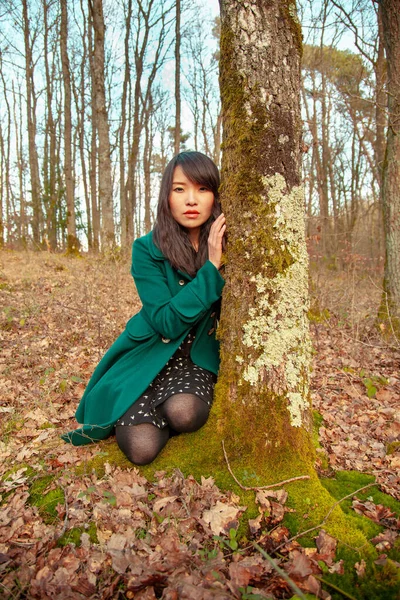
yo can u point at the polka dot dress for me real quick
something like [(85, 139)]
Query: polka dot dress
[(180, 375)]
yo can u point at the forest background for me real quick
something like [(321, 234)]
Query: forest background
[(91, 110)]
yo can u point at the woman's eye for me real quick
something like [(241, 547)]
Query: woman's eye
[(178, 189), (204, 189)]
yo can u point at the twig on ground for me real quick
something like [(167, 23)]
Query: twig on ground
[(259, 487), (302, 533), (280, 572)]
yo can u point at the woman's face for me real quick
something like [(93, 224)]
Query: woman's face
[(191, 203)]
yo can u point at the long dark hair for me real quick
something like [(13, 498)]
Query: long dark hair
[(171, 237)]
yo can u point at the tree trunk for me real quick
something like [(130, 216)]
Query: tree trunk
[(93, 146), (72, 241), (122, 188), (380, 98), (33, 155), (49, 158), (261, 410), (264, 327), (148, 142), (79, 91), (19, 157), (104, 149), (1, 188), (391, 166), (6, 192), (177, 136)]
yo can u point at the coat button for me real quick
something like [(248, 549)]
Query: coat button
[(212, 315), (211, 331), (165, 340), (181, 282)]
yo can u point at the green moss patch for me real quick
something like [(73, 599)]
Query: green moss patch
[(46, 502), (73, 536)]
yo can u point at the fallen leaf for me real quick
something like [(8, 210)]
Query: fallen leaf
[(221, 517)]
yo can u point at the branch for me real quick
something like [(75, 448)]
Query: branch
[(302, 533), (264, 487)]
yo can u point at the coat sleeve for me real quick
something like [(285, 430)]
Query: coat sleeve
[(172, 315)]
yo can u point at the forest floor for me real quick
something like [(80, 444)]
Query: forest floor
[(68, 531)]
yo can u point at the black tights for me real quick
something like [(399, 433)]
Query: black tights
[(141, 443)]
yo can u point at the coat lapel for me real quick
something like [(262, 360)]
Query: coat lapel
[(158, 255)]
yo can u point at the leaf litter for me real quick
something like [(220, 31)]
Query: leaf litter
[(121, 536)]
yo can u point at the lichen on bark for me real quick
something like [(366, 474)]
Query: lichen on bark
[(276, 332)]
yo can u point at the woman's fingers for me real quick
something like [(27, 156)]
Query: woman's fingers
[(216, 234), (218, 224)]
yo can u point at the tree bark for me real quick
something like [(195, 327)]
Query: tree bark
[(104, 149), (264, 327), (391, 165)]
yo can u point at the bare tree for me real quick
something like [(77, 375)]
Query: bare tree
[(177, 139), (72, 241), (104, 149), (149, 21), (5, 152), (127, 74), (31, 119)]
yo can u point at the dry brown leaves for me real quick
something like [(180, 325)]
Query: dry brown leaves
[(169, 539), (153, 540), (358, 430)]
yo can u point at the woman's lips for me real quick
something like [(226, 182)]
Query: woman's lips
[(191, 215)]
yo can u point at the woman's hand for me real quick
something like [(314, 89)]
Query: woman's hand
[(215, 240)]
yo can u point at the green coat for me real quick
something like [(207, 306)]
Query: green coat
[(173, 302)]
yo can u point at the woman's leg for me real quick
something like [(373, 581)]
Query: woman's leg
[(185, 412), (141, 443)]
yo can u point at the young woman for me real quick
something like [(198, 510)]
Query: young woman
[(157, 379)]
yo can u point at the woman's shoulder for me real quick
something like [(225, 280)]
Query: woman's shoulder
[(146, 244)]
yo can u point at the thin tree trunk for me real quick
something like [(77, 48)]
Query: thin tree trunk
[(391, 164), (93, 145), (80, 103), (104, 149), (30, 107), (177, 136), (5, 169), (380, 99), (146, 168), (22, 226), (72, 241), (1, 188), (49, 159), (122, 189)]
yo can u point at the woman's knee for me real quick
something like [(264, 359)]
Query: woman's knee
[(141, 443), (185, 413)]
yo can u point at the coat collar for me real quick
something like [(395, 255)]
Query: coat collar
[(156, 253)]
